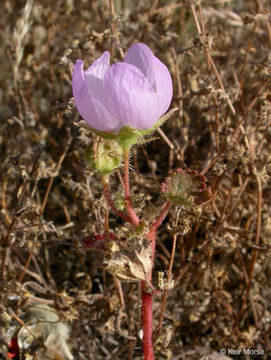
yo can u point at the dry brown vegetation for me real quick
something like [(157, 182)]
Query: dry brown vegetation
[(218, 53)]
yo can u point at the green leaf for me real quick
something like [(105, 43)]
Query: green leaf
[(186, 188)]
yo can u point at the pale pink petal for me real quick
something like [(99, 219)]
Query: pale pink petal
[(154, 70), (141, 56), (90, 108), (94, 75), (164, 87), (130, 96)]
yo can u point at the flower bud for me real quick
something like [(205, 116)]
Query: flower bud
[(104, 156), (134, 93)]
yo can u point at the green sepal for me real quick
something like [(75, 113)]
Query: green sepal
[(105, 135), (128, 136), (89, 157)]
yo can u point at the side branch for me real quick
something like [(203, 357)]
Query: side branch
[(110, 202), (161, 217)]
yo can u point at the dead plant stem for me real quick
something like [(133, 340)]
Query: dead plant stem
[(254, 257), (56, 170), (209, 58), (169, 276), (114, 30), (5, 241)]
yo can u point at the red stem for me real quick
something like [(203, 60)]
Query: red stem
[(129, 207), (161, 217), (147, 323), (147, 294), (147, 297), (111, 203)]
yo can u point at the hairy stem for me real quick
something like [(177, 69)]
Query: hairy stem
[(128, 202), (110, 202)]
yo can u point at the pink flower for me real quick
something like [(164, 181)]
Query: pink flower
[(135, 92)]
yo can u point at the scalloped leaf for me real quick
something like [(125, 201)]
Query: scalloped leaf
[(186, 188)]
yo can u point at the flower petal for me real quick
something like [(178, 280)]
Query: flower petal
[(141, 56), (95, 73), (164, 87), (154, 70), (130, 96), (90, 108)]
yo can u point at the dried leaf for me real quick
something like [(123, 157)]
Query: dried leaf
[(132, 265)]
